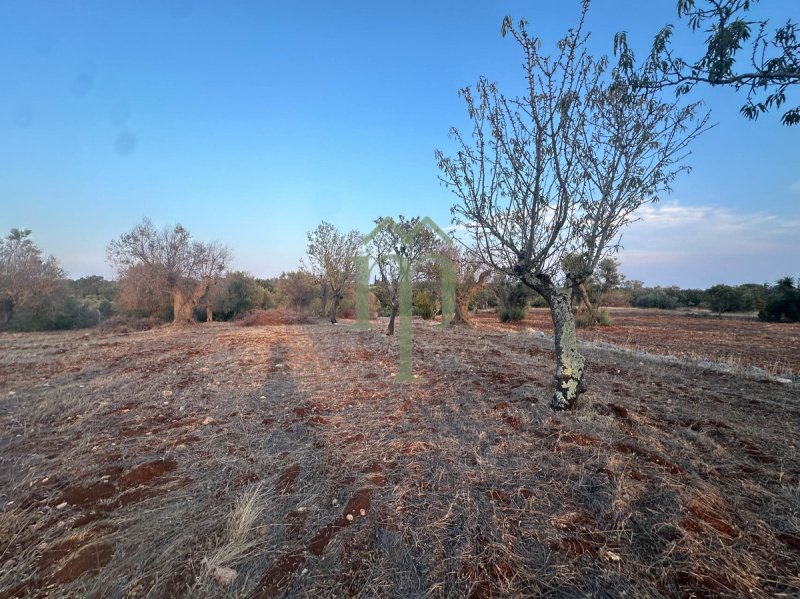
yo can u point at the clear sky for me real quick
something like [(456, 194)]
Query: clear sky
[(249, 122)]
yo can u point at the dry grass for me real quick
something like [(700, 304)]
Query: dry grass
[(271, 317), (289, 456)]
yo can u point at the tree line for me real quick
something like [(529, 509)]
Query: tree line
[(36, 295)]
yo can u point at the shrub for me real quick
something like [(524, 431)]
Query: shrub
[(655, 299), (591, 318), (512, 313), (425, 304)]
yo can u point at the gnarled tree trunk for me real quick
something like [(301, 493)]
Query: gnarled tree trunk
[(570, 364), (183, 304), (464, 294)]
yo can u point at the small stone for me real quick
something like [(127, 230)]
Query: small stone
[(62, 505), (12, 392), (208, 420), (304, 572), (335, 502), (166, 393), (611, 556), (350, 517), (45, 479), (362, 511), (9, 563), (263, 397)]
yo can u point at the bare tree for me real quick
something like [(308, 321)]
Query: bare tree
[(561, 170), (171, 261), (334, 253), (398, 247), (26, 274)]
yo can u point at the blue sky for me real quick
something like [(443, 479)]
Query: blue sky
[(249, 122)]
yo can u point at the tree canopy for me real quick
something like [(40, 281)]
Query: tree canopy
[(169, 261), (740, 52)]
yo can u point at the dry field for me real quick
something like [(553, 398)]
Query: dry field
[(162, 463), (691, 336)]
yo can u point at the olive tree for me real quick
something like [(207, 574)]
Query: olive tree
[(560, 170), (27, 276), (398, 248), (333, 254), (169, 261)]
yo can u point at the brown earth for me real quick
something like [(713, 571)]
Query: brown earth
[(738, 342), (156, 463)]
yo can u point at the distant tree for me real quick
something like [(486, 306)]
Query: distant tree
[(400, 240), (739, 52), (783, 302), (28, 278), (298, 289), (94, 286), (235, 293), (333, 253), (561, 170), (169, 261), (655, 298), (724, 298), (471, 276)]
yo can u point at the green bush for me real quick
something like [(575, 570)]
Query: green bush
[(655, 299), (512, 313), (426, 304), (592, 318)]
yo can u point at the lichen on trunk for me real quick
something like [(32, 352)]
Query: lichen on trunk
[(570, 363)]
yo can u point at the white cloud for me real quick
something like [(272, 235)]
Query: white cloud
[(687, 245)]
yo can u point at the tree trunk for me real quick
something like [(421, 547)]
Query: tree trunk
[(324, 298), (335, 307), (209, 314), (392, 315), (464, 295), (569, 362), (183, 304), (462, 312), (182, 308)]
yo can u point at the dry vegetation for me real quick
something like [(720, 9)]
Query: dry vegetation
[(266, 461), (691, 336)]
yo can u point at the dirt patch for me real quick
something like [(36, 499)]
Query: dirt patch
[(287, 479), (278, 576), (88, 560), (144, 473)]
